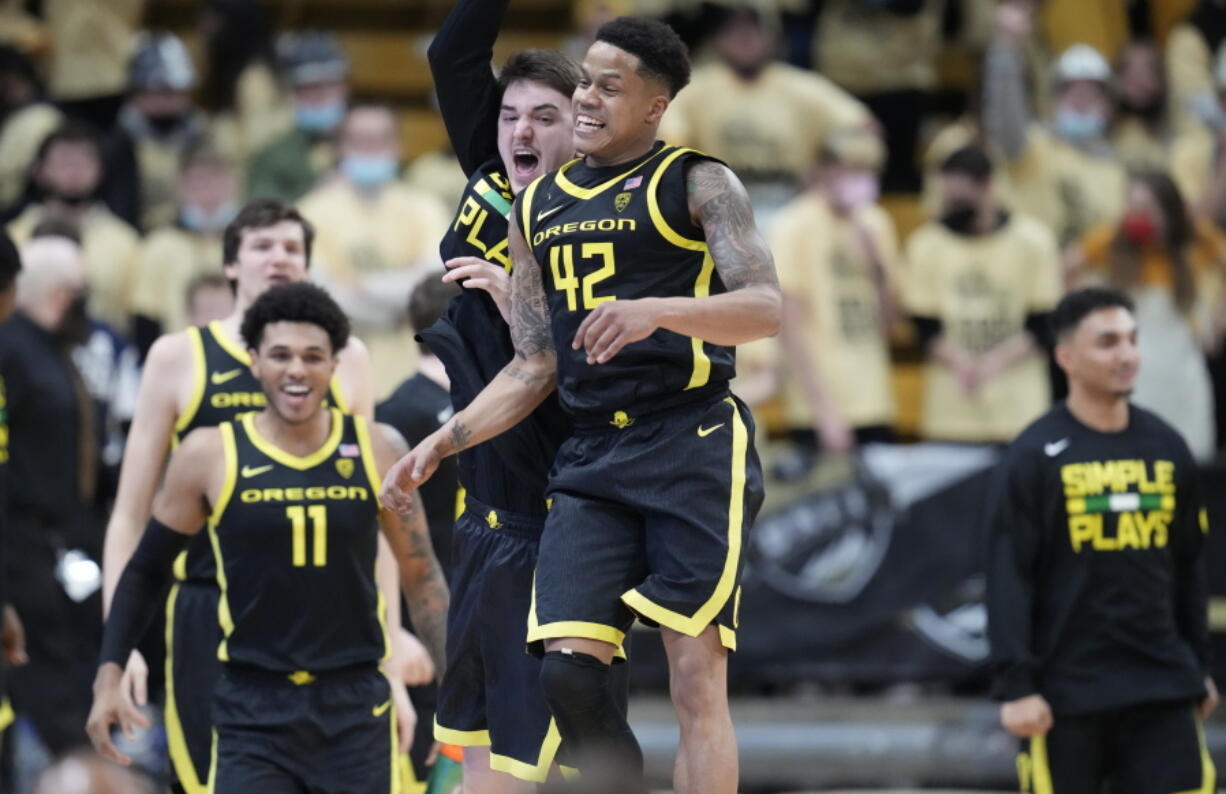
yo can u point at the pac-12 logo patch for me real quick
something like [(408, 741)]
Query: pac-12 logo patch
[(344, 467)]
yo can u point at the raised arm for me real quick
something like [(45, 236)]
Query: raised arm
[(1006, 108), (508, 399), (408, 534), (460, 61), (179, 511)]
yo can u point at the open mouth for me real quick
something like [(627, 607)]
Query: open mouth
[(525, 162), (297, 393), (586, 123)]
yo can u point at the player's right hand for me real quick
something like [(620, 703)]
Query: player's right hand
[(1026, 717), (407, 475), (135, 683), (13, 638), (111, 707), (474, 273)]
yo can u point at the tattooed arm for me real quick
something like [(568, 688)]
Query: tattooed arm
[(751, 308), (421, 578), (510, 397)]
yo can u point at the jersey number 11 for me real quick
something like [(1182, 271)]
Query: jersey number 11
[(298, 516)]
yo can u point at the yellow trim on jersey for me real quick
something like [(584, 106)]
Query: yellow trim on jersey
[(197, 397), (1208, 773), (238, 353), (727, 637), (372, 473), (230, 450), (693, 625), (533, 773), (1040, 770), (588, 192), (301, 463), (338, 395), (6, 714), (176, 741), (702, 285), (180, 566), (460, 738), (460, 505), (525, 207)]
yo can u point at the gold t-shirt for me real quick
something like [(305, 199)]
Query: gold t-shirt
[(93, 44), (1068, 189), (169, 260), (824, 266), (111, 248), (23, 133), (869, 50), (771, 128), (981, 289)]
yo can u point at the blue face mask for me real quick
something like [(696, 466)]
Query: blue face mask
[(319, 118), (369, 171), (1074, 125), (197, 219)]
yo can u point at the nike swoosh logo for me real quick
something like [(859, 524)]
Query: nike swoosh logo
[(1054, 448), (703, 432), (253, 471), (219, 378), (379, 711), (546, 213)]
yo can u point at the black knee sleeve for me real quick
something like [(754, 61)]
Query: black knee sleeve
[(597, 740)]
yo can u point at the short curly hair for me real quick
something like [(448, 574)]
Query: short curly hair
[(300, 302), (661, 52)]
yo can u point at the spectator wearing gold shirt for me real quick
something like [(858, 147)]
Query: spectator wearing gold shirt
[(26, 117), (375, 236), (979, 283), (1172, 266), (764, 118), (317, 72), (160, 121), (836, 255), (175, 255), (67, 174), (1064, 172)]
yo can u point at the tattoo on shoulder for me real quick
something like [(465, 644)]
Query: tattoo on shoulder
[(722, 206)]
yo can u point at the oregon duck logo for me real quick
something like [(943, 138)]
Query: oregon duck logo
[(491, 518), (621, 420)]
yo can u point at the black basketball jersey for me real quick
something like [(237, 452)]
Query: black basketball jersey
[(480, 225), (621, 233), (295, 541), (473, 342), (224, 389)]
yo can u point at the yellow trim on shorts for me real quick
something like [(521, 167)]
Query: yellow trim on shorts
[(180, 566), (393, 772), (577, 628), (7, 716), (176, 740), (197, 395), (1040, 769), (299, 462), (230, 452), (460, 738), (725, 588), (212, 784), (1208, 772), (539, 772)]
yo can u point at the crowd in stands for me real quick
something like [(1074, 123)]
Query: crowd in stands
[(933, 175)]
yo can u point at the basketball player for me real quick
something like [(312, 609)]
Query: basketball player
[(507, 131), (636, 269), (1097, 606), (199, 378), (290, 498)]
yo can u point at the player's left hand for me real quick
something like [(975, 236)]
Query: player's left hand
[(1211, 699), (474, 273), (406, 476), (613, 325), (112, 708), (13, 638)]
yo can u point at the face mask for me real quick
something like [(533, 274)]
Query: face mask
[(1138, 228), (855, 190), (165, 124), (200, 220), (1073, 125), (74, 327), (74, 200), (369, 171), (960, 217), (319, 118)]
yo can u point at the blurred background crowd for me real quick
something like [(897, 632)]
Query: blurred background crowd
[(932, 176)]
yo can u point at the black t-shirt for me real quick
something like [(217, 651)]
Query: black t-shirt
[(417, 408), (1096, 587)]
